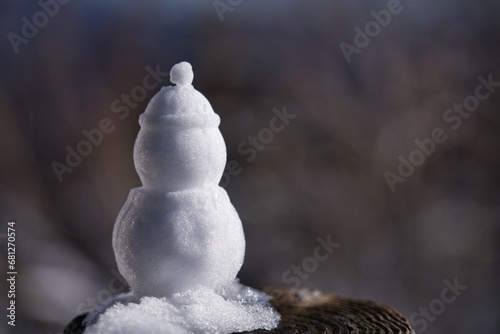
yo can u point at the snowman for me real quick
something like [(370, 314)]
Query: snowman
[(179, 230)]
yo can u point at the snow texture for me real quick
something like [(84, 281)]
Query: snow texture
[(197, 311), (180, 229), (178, 240)]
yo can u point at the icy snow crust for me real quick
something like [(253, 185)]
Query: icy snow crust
[(178, 240)]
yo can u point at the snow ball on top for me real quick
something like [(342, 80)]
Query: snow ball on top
[(182, 74)]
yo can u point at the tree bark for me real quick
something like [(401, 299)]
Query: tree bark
[(311, 312)]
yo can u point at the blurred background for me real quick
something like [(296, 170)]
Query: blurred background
[(323, 175)]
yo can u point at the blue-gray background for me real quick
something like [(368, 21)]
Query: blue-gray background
[(322, 175)]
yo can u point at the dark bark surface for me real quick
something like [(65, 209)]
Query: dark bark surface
[(311, 312), (308, 311)]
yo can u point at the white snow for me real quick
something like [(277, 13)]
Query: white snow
[(178, 240), (197, 311), (182, 74)]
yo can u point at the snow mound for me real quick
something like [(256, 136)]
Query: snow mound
[(197, 311)]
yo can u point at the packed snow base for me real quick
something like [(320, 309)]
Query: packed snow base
[(197, 311), (178, 240)]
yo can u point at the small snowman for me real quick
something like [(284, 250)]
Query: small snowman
[(179, 230)]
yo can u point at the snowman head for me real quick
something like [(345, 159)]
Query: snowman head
[(179, 145)]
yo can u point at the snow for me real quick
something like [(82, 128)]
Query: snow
[(199, 310), (182, 74), (179, 229), (178, 240)]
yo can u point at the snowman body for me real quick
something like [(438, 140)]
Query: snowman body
[(179, 230)]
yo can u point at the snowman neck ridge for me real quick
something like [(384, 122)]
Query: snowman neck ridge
[(179, 121)]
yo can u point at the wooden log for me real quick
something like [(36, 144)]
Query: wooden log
[(311, 312), (308, 311)]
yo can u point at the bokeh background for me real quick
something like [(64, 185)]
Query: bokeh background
[(321, 176)]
